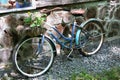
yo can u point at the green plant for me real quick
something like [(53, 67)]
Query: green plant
[(82, 76), (112, 74), (28, 20), (34, 21)]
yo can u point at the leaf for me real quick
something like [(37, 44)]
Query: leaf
[(33, 25)]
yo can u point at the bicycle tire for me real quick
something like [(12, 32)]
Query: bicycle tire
[(91, 43), (32, 64)]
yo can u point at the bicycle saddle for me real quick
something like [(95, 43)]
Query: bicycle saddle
[(77, 12)]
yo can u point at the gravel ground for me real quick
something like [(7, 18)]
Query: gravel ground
[(107, 58)]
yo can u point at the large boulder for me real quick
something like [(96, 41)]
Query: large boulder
[(57, 18)]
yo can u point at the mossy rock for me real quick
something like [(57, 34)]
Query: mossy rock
[(34, 31)]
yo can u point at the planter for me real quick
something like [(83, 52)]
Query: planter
[(34, 31)]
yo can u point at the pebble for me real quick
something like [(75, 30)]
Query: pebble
[(106, 58)]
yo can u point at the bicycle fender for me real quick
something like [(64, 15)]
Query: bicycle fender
[(91, 20), (82, 25)]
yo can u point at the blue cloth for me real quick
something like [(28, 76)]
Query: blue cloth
[(25, 4)]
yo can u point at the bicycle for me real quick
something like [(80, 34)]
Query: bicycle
[(35, 55)]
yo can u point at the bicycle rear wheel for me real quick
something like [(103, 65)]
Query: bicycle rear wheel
[(33, 59), (91, 37)]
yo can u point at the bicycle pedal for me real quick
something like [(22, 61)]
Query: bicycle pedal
[(69, 58), (70, 55)]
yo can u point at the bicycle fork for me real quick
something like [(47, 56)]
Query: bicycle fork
[(40, 45)]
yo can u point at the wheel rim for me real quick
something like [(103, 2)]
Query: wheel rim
[(94, 41), (29, 61)]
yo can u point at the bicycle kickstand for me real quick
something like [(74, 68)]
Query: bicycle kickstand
[(68, 56)]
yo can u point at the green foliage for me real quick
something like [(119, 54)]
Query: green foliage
[(113, 74), (28, 20), (34, 21), (38, 21), (82, 76)]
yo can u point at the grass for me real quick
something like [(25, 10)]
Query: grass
[(113, 74)]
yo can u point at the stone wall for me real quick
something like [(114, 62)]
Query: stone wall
[(110, 13)]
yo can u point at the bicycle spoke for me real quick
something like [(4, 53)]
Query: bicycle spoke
[(94, 38), (33, 59), (35, 67)]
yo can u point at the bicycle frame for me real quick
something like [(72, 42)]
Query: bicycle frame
[(68, 39), (40, 44)]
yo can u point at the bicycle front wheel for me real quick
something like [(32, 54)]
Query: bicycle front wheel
[(32, 58), (91, 37)]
